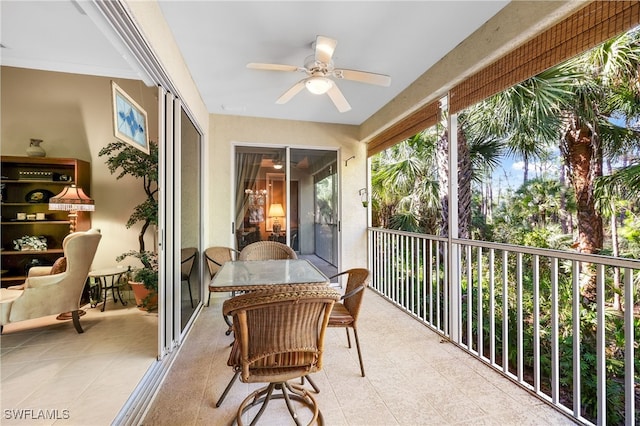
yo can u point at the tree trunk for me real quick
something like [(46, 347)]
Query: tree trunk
[(616, 253), (584, 161), (464, 186), (442, 158), (565, 217), (615, 248)]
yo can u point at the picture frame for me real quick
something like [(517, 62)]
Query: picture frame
[(129, 120)]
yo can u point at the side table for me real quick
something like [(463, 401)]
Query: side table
[(99, 278)]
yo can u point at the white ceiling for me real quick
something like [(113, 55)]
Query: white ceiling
[(218, 39)]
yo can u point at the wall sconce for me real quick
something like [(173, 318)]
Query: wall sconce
[(364, 197), (346, 162)]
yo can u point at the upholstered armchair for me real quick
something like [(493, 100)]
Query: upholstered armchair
[(53, 293)]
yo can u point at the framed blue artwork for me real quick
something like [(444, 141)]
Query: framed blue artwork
[(129, 120)]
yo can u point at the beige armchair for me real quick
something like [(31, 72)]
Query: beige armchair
[(44, 295)]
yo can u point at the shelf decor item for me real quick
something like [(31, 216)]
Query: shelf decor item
[(38, 196), (129, 120), (35, 150), (72, 199), (35, 175), (30, 243), (26, 213)]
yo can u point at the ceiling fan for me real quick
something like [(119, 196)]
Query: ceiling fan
[(319, 70)]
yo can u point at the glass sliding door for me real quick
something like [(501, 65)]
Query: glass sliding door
[(261, 195), (314, 193), (325, 217), (289, 195), (190, 221)]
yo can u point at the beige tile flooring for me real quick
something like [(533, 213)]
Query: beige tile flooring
[(411, 379), (82, 379)]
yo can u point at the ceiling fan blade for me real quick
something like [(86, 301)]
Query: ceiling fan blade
[(363, 77), (272, 67), (338, 99), (325, 47), (286, 96)]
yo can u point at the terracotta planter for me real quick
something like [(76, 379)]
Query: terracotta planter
[(141, 294)]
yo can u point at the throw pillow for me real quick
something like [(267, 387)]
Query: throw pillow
[(59, 266)]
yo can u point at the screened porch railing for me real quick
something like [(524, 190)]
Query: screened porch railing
[(514, 308)]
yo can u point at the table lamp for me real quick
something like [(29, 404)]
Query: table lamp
[(276, 211), (72, 199)]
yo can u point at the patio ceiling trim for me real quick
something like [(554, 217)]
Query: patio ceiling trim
[(595, 23), (416, 122)]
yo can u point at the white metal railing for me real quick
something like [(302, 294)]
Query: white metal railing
[(514, 308)]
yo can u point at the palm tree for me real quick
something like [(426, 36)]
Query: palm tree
[(403, 185), (526, 117), (609, 85), (623, 184), (572, 102)]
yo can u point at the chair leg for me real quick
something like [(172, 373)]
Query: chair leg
[(209, 298), (227, 389), (287, 400), (75, 315), (261, 396), (348, 338), (311, 382), (190, 296), (355, 333), (287, 392)]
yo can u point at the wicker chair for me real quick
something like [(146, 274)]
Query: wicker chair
[(345, 313), (290, 347), (187, 262), (267, 250), (214, 258)]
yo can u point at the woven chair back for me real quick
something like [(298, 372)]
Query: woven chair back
[(187, 261), (357, 277), (216, 257), (279, 333), (267, 250)]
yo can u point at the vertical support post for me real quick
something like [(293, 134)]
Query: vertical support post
[(452, 259), (629, 339)]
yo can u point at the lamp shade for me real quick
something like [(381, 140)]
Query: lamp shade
[(276, 210), (71, 198)]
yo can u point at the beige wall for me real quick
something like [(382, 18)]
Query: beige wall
[(73, 115), (225, 131)]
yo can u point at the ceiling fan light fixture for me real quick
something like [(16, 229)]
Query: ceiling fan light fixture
[(318, 85)]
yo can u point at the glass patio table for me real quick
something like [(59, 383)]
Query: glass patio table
[(251, 275)]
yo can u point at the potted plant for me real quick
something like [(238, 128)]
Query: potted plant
[(127, 160)]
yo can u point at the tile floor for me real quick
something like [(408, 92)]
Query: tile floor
[(81, 379), (411, 379)]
